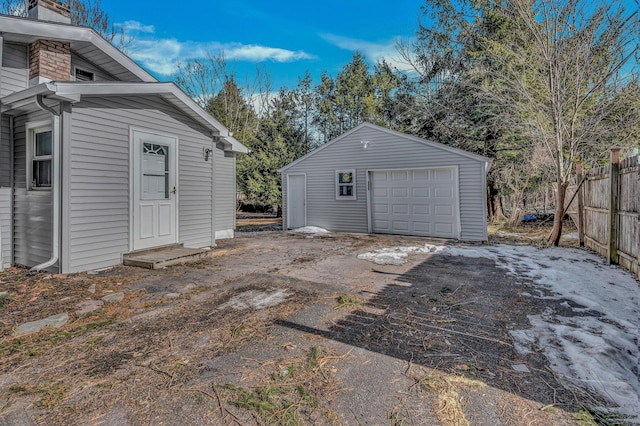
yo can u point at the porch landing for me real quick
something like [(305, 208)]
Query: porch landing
[(161, 257)]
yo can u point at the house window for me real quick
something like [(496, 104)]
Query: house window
[(41, 166), (345, 184), (82, 75)]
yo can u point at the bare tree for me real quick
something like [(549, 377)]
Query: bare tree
[(215, 85), (14, 7), (88, 13), (519, 176), (202, 79), (565, 90)]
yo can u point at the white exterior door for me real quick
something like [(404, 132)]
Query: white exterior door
[(415, 202), (297, 201), (155, 214)]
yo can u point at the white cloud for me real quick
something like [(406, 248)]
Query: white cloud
[(136, 27), (374, 51), (161, 55), (257, 53)]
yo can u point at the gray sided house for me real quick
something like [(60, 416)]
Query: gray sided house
[(375, 180), (98, 158)]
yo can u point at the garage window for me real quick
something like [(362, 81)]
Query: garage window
[(346, 184)]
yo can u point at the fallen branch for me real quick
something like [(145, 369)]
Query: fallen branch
[(409, 365), (157, 370), (468, 335)]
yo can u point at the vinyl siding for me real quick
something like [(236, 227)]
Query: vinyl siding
[(5, 227), (385, 151), (32, 210), (5, 152), (225, 191), (82, 63), (88, 52), (15, 68), (99, 213), (5, 193)]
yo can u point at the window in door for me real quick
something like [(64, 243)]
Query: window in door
[(155, 171)]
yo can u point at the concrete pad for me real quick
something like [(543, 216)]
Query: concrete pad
[(113, 298), (87, 306), (55, 321)]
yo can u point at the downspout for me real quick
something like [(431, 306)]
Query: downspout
[(55, 185), (11, 158), (213, 189), (12, 185), (11, 192)]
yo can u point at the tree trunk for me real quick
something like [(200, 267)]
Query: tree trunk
[(556, 233), (494, 204)]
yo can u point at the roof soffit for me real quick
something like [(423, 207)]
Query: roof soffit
[(84, 40)]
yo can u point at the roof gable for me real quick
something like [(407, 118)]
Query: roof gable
[(74, 91), (366, 125), (85, 41)]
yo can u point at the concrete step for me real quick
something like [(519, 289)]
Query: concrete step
[(160, 257)]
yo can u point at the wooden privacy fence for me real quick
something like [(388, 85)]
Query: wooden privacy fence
[(607, 209)]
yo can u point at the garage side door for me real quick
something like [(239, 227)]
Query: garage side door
[(415, 202)]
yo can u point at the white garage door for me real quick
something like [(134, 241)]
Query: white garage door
[(415, 202)]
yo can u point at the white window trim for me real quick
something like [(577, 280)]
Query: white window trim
[(31, 129), (337, 184)]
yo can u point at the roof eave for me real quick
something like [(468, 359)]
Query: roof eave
[(59, 31), (236, 145), (436, 145), (169, 91)]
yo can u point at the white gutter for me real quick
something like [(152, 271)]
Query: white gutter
[(169, 91), (55, 185)]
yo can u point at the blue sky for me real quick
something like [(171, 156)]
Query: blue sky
[(286, 37)]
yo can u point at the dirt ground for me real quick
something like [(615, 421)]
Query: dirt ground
[(280, 328)]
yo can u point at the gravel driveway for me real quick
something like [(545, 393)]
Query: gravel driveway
[(284, 328)]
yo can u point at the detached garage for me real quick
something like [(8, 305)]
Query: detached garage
[(375, 180)]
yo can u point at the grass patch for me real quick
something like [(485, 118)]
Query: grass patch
[(314, 356), (35, 344), (269, 402), (347, 301), (49, 395), (91, 343), (587, 416), (291, 395), (4, 298), (425, 383), (237, 331)]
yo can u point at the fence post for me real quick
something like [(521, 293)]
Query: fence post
[(637, 161), (579, 178), (614, 172)]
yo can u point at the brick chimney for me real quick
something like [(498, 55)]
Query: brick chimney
[(49, 59), (50, 10)]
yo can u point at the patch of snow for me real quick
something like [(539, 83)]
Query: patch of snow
[(521, 368), (311, 230), (397, 255), (597, 351), (256, 299), (572, 236)]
